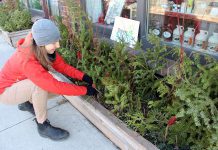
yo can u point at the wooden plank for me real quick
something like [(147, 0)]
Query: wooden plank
[(13, 37), (105, 121)]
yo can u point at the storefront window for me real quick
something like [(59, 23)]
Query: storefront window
[(53, 7), (22, 4), (190, 23), (35, 4), (105, 11)]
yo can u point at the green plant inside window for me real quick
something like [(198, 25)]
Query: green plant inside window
[(35, 4)]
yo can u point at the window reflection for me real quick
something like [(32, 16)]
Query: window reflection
[(35, 4), (104, 11)]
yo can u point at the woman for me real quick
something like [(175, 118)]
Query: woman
[(25, 78)]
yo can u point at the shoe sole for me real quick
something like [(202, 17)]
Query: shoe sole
[(23, 109), (61, 139)]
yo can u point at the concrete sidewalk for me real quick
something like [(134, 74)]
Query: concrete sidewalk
[(18, 130)]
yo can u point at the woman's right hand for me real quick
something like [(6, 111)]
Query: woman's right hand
[(91, 91)]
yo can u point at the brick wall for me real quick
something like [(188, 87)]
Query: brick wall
[(12, 3), (64, 12)]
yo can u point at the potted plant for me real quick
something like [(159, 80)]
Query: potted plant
[(15, 22)]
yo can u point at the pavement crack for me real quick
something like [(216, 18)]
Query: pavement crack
[(15, 124), (25, 120)]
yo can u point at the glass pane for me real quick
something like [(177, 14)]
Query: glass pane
[(22, 4), (94, 10), (105, 11), (53, 6), (190, 23), (35, 4)]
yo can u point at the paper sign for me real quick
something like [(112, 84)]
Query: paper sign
[(115, 8), (125, 30)]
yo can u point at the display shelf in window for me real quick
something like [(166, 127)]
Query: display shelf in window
[(210, 52), (186, 23), (159, 11)]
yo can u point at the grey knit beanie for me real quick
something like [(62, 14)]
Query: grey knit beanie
[(45, 32)]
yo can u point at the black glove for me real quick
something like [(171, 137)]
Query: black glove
[(91, 91), (87, 79)]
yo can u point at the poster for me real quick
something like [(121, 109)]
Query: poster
[(125, 30), (114, 9)]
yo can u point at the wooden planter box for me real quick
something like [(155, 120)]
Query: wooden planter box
[(107, 123), (110, 125), (13, 37)]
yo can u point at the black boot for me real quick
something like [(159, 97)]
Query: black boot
[(27, 106), (49, 131)]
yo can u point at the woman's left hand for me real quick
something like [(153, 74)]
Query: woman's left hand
[(88, 79)]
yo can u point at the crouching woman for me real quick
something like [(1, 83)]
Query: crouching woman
[(25, 78)]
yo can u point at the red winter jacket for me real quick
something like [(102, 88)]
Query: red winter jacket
[(24, 65)]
